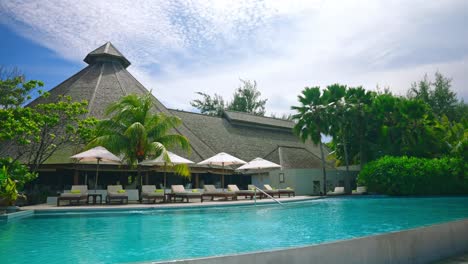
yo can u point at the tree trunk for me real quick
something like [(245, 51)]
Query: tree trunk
[(324, 171), (139, 179), (345, 149)]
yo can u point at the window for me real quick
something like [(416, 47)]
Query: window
[(281, 177)]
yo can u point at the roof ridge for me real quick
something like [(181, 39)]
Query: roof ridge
[(124, 90), (91, 101), (270, 117), (195, 113), (85, 70)]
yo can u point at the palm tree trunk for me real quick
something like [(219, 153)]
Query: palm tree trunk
[(324, 171), (139, 179), (345, 149)]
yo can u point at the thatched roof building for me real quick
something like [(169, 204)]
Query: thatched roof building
[(246, 136)]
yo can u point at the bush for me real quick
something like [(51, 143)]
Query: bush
[(415, 176), (17, 172)]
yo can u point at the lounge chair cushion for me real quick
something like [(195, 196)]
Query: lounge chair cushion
[(233, 188), (77, 191), (177, 188), (113, 191), (210, 188)]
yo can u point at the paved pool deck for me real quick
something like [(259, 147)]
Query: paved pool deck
[(194, 203), (462, 259)]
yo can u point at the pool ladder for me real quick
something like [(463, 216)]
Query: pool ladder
[(255, 196)]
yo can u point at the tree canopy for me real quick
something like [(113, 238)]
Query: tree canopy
[(136, 133), (33, 134), (366, 125), (246, 98)]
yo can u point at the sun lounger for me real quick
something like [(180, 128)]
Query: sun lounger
[(261, 194), (360, 190), (78, 193), (178, 191), (287, 191), (211, 192), (337, 191), (245, 193), (116, 192), (150, 193)]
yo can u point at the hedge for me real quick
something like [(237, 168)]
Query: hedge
[(415, 176)]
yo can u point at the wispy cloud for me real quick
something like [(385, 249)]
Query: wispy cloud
[(180, 47)]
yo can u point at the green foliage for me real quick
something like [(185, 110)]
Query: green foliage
[(8, 191), (415, 176), (213, 106), (18, 172), (365, 125), (135, 133), (33, 134), (312, 120), (246, 99), (438, 95), (14, 89)]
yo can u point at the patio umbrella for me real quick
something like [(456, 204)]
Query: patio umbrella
[(173, 160), (259, 164), (97, 155), (222, 159)]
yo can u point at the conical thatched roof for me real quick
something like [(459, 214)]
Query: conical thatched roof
[(106, 80), (107, 52)]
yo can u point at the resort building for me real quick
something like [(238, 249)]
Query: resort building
[(245, 136)]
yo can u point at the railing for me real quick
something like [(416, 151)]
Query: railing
[(255, 196)]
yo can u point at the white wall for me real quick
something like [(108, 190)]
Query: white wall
[(302, 180)]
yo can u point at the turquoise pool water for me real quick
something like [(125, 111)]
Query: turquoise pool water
[(175, 234)]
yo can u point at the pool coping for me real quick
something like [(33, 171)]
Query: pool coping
[(30, 211)]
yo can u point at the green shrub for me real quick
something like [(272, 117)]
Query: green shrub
[(415, 176), (17, 172)]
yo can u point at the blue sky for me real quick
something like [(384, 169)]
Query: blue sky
[(180, 47)]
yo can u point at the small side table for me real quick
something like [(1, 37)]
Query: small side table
[(95, 195)]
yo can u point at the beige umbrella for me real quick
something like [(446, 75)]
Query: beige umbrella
[(173, 160), (97, 154), (259, 165), (222, 159)]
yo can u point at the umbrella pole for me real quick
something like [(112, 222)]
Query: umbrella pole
[(164, 181), (222, 177), (97, 175)]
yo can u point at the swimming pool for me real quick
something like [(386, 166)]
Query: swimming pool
[(152, 235)]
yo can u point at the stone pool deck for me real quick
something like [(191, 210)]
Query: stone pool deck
[(462, 259), (194, 203)]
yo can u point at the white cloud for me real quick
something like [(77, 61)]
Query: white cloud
[(178, 48)]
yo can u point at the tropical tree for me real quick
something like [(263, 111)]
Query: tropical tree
[(213, 106), (312, 121), (361, 101), (438, 95), (134, 132), (338, 111), (33, 134), (246, 98)]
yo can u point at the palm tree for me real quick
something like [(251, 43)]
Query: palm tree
[(360, 100), (135, 133), (311, 121), (339, 120)]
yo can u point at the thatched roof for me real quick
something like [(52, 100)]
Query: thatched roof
[(246, 136)]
